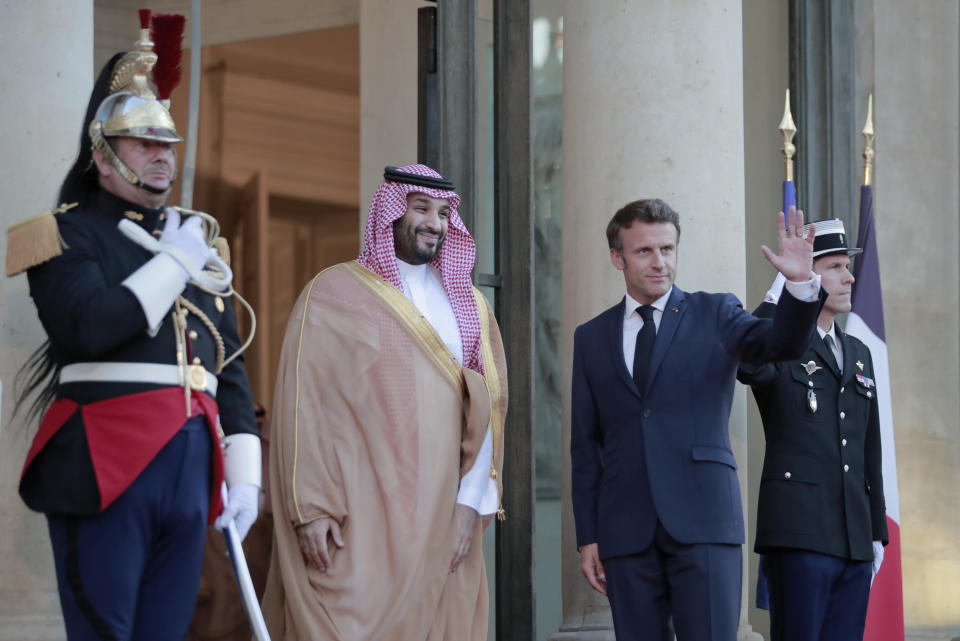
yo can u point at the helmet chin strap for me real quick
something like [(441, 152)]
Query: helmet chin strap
[(100, 143)]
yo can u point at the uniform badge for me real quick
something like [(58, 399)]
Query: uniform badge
[(811, 367), (860, 365), (811, 401), (866, 381)]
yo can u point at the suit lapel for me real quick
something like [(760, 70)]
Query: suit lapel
[(615, 338), (825, 354), (849, 364), (672, 314)]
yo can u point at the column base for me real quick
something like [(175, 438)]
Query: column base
[(746, 633), (32, 628), (583, 633)]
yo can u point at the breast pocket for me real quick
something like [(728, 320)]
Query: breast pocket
[(805, 397)]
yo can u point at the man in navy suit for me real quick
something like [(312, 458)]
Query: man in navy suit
[(655, 493)]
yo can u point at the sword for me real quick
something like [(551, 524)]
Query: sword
[(240, 570)]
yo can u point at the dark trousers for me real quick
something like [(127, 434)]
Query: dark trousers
[(699, 585), (817, 597), (132, 571)]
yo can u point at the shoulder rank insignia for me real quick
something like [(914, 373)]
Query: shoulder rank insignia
[(810, 367), (35, 241), (865, 381)]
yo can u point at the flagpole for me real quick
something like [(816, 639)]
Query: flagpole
[(868, 145)]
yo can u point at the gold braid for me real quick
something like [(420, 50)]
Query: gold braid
[(217, 338)]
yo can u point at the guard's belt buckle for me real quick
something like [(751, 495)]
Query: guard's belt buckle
[(197, 378)]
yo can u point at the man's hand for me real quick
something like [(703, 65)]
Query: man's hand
[(464, 520), (795, 259), (313, 537), (592, 568)]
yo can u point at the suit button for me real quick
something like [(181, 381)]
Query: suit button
[(843, 415), (841, 390), (786, 475), (869, 394), (846, 468), (193, 335), (810, 383), (647, 413), (843, 442)]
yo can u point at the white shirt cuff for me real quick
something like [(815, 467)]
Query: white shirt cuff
[(156, 285), (807, 291), (478, 490)]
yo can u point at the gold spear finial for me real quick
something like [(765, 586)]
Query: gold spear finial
[(787, 130), (868, 144)]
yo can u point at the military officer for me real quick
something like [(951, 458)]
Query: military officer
[(140, 364), (821, 518)]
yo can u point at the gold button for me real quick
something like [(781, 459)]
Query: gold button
[(843, 442), (193, 335), (841, 390), (869, 394), (843, 415), (786, 475), (196, 360), (218, 303), (846, 468), (810, 383)]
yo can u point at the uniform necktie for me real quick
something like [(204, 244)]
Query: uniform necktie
[(644, 349), (828, 339)]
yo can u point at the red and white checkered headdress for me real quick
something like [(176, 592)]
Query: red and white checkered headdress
[(454, 260)]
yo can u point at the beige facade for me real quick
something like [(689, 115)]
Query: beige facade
[(677, 100)]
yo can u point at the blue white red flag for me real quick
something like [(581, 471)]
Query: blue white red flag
[(885, 612)]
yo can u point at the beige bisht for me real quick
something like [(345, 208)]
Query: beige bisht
[(374, 424)]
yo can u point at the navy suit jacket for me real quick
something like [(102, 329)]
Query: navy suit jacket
[(664, 452)]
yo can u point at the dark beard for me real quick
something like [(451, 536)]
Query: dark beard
[(408, 249)]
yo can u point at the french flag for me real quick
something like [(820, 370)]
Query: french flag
[(865, 321)]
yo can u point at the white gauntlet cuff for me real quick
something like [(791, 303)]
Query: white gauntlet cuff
[(156, 285), (241, 459)]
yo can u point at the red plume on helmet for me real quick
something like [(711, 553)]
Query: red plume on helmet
[(167, 35)]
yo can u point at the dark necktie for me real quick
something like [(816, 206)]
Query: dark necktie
[(644, 349), (828, 339)]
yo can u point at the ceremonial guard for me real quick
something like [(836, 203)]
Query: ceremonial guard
[(821, 517), (141, 367)]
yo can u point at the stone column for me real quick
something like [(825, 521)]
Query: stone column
[(47, 49), (916, 193), (652, 107), (388, 91)]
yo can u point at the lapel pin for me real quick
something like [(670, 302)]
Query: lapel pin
[(860, 365), (676, 309), (811, 367)]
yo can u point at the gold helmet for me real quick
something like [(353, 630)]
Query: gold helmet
[(140, 85)]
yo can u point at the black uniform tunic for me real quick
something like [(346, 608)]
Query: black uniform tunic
[(90, 316)]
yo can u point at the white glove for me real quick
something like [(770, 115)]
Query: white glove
[(877, 559), (188, 238), (241, 507)]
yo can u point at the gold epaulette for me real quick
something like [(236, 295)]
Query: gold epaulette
[(220, 244), (35, 241)]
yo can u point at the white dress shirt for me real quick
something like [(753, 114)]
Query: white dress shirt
[(423, 285), (806, 291)]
